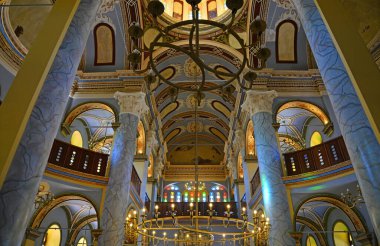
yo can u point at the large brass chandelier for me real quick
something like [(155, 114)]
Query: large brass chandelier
[(183, 231), (245, 74)]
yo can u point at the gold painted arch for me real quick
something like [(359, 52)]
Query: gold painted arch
[(40, 214), (309, 107), (74, 113), (333, 201)]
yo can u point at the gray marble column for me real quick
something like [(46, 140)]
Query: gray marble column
[(28, 165), (362, 145), (151, 142), (132, 106), (259, 106)]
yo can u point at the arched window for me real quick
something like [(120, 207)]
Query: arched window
[(212, 10), (250, 140), (286, 42), (76, 139), (315, 139), (178, 10), (342, 236), (82, 242), (310, 241), (52, 236), (104, 45), (140, 142)]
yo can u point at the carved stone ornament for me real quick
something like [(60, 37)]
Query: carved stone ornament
[(132, 103), (151, 141), (259, 101), (239, 140)]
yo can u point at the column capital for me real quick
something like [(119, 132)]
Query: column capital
[(259, 101), (132, 103)]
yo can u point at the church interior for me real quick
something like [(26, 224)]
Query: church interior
[(189, 122)]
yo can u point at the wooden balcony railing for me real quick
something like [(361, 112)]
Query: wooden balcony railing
[(135, 181), (78, 159), (316, 158), (183, 208), (255, 182)]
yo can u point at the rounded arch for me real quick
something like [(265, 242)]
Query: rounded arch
[(140, 141), (333, 201), (104, 38), (286, 41), (316, 110), (315, 228), (81, 108), (59, 201), (250, 148)]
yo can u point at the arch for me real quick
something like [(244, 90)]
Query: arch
[(41, 213), (53, 235), (315, 139), (82, 241), (212, 9), (178, 9), (339, 237), (76, 139), (335, 202), (75, 112), (286, 42), (315, 228), (250, 140), (316, 110), (310, 241), (104, 37), (78, 227), (140, 141)]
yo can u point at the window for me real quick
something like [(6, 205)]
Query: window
[(212, 10), (52, 236), (286, 42), (342, 236), (76, 139), (315, 139), (310, 241), (104, 45), (82, 242), (178, 10)]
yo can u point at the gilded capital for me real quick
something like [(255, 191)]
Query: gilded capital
[(132, 103), (259, 101)]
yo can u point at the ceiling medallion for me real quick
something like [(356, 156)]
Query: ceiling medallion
[(245, 74)]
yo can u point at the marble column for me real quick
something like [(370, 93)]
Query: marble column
[(28, 165), (151, 142), (132, 106), (362, 144), (259, 105)]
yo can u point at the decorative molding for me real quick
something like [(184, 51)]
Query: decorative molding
[(132, 103), (259, 101)]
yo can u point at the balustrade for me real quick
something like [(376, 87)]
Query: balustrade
[(183, 208), (255, 182), (316, 158), (78, 159), (135, 180)]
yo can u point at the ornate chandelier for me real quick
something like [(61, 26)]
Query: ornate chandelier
[(245, 74), (155, 231)]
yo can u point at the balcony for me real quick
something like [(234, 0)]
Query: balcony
[(255, 182), (316, 158), (135, 181), (78, 159), (84, 161), (183, 208)]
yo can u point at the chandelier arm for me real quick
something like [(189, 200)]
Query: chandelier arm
[(199, 63), (168, 45)]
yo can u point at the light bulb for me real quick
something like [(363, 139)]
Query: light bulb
[(210, 205), (164, 234), (224, 235), (143, 210), (244, 209), (156, 207), (191, 204), (153, 232), (255, 212), (176, 235)]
